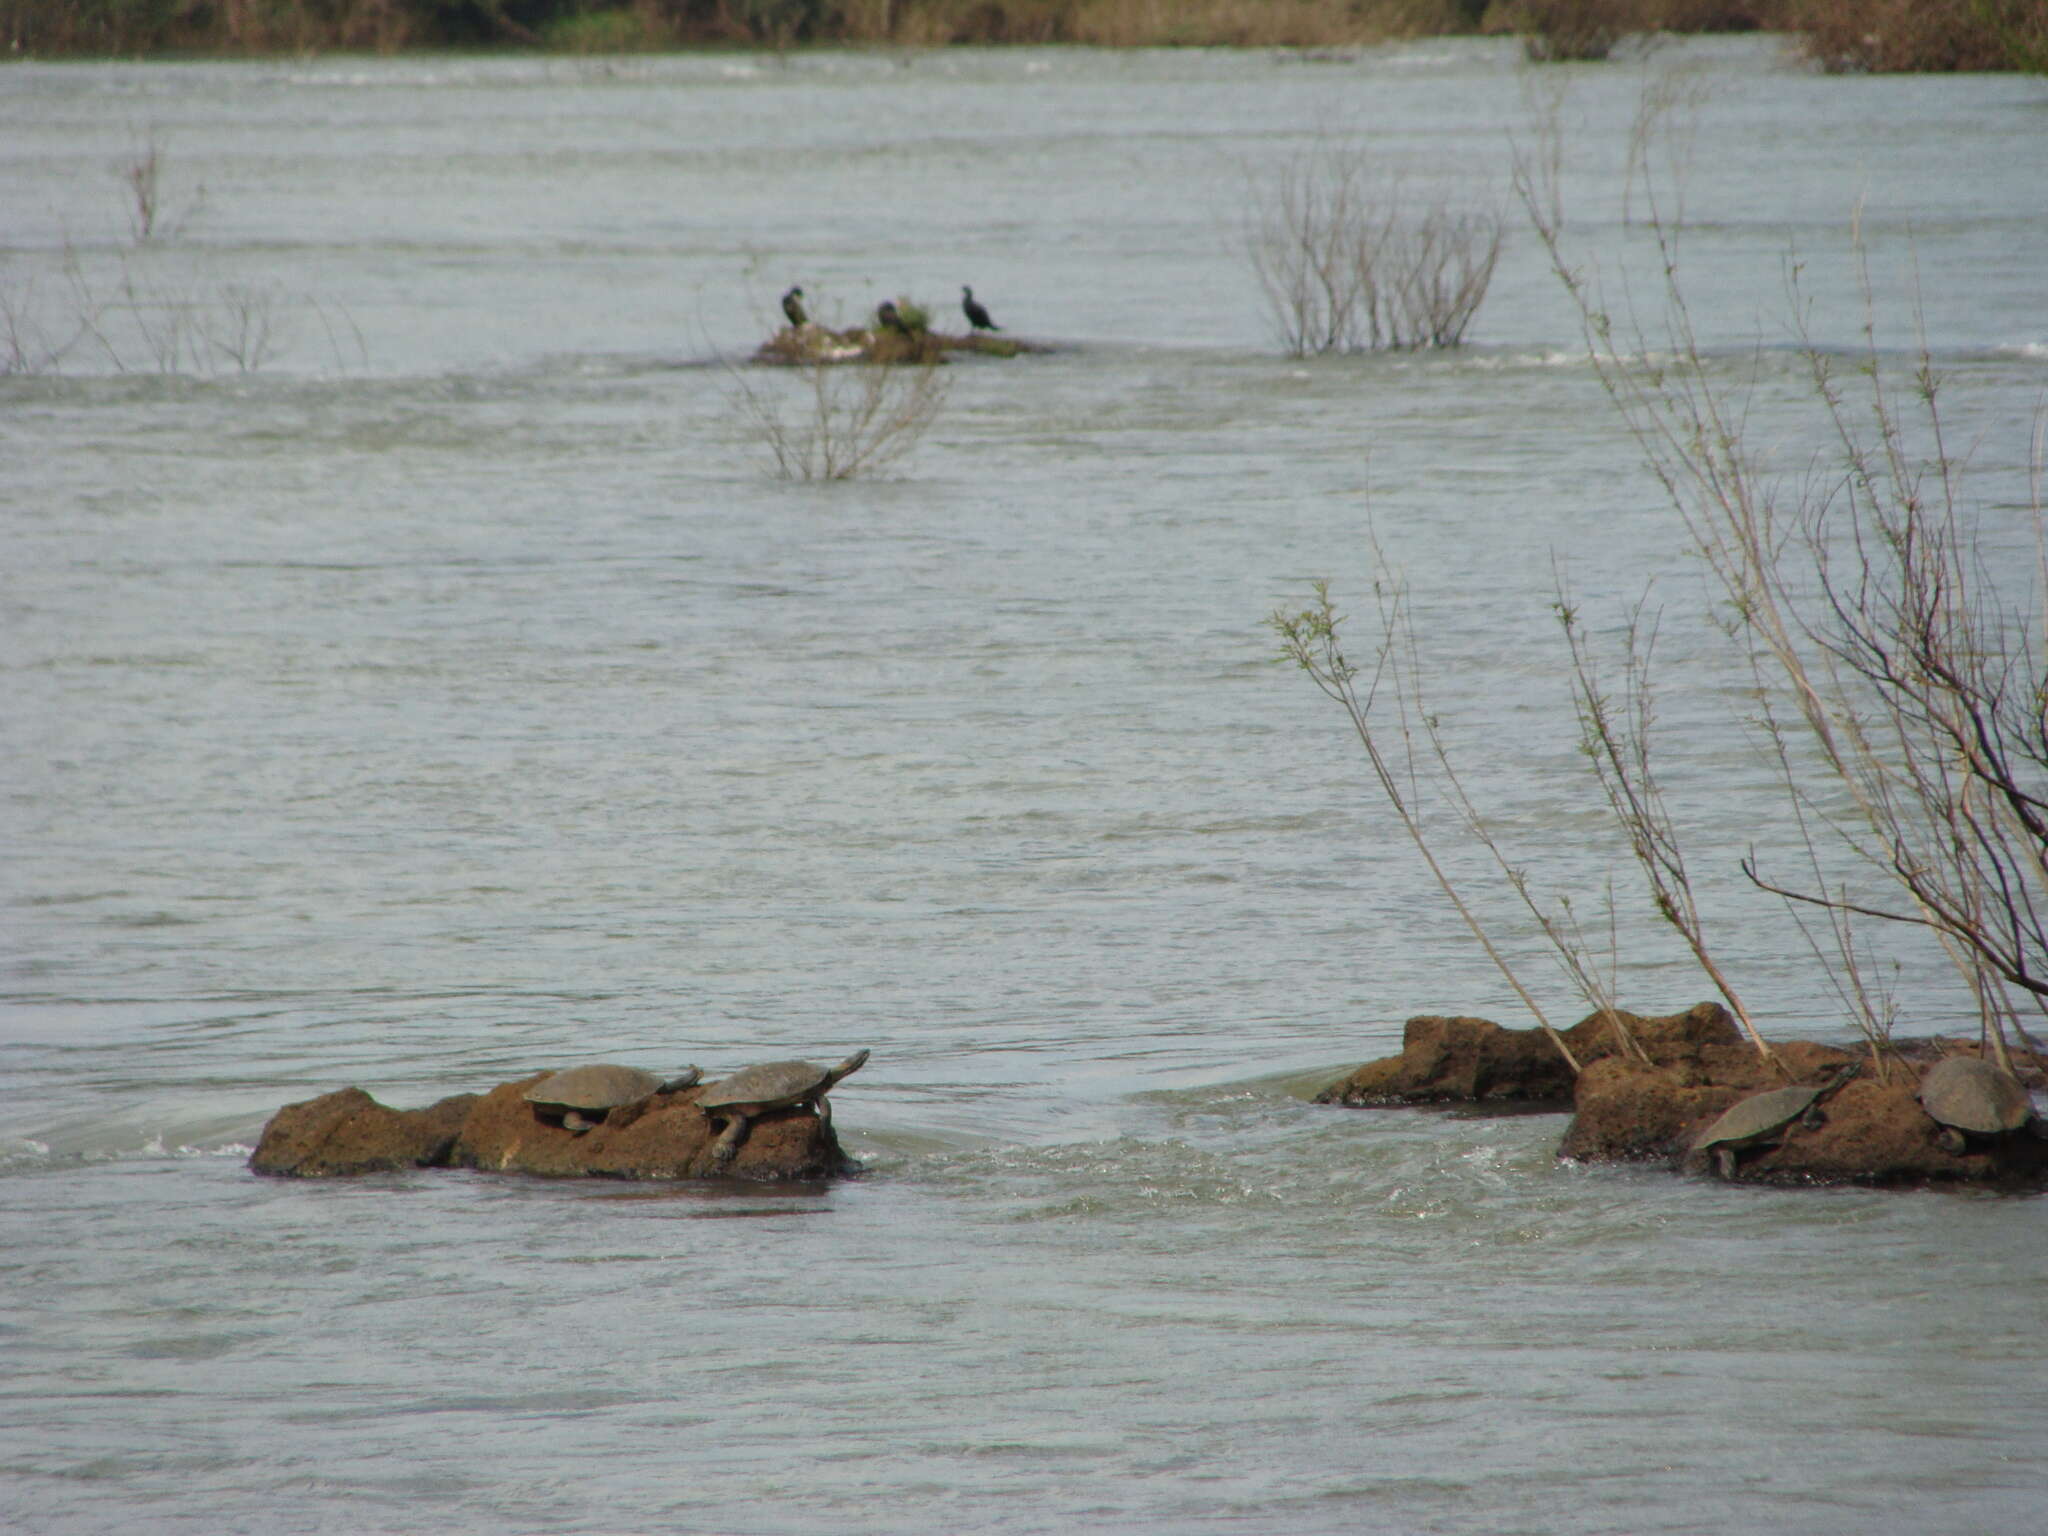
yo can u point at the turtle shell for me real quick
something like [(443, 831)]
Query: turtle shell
[(600, 1087), (775, 1085), (771, 1085), (1973, 1095), (1757, 1117)]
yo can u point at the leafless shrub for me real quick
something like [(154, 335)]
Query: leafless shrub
[(241, 328), (1349, 263), (1311, 639), (839, 421), (1614, 735), (1902, 688), (133, 321), (144, 175), (36, 335), (150, 214)]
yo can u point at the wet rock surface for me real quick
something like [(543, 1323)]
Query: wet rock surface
[(1463, 1060), (665, 1136), (348, 1132), (1871, 1129)]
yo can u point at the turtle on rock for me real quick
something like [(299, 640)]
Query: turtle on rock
[(580, 1098), (1969, 1097), (760, 1090), (1764, 1118)]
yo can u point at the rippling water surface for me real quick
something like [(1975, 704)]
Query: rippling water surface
[(454, 694)]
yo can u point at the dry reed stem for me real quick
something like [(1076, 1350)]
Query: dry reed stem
[(1918, 689), (1311, 639)]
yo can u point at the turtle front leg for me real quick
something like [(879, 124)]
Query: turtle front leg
[(729, 1141)]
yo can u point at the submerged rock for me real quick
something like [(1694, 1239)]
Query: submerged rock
[(665, 1136)]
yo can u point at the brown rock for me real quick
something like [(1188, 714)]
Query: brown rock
[(349, 1132), (1626, 1109), (1448, 1060), (1629, 1112), (665, 1137), (1467, 1060), (1875, 1132), (1870, 1131)]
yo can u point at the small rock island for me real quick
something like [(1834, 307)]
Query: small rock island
[(1662, 1090), (519, 1127)]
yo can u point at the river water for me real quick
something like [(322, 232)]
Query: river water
[(414, 678)]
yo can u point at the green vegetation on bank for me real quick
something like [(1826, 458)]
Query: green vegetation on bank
[(1842, 35)]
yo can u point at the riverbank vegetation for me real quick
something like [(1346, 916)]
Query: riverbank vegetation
[(1837, 35)]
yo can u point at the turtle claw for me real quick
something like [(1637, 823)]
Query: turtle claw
[(728, 1144)]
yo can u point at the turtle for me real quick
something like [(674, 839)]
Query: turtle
[(1761, 1116), (581, 1097), (1966, 1096), (770, 1086)]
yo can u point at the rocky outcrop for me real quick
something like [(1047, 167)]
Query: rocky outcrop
[(1631, 1111), (1624, 1108), (814, 343), (663, 1137), (1464, 1060), (349, 1132), (1871, 1130)]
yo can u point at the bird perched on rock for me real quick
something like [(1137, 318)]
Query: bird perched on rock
[(977, 316), (891, 321), (793, 306)]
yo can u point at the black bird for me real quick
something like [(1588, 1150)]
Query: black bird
[(976, 315), (793, 306), (891, 321)]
